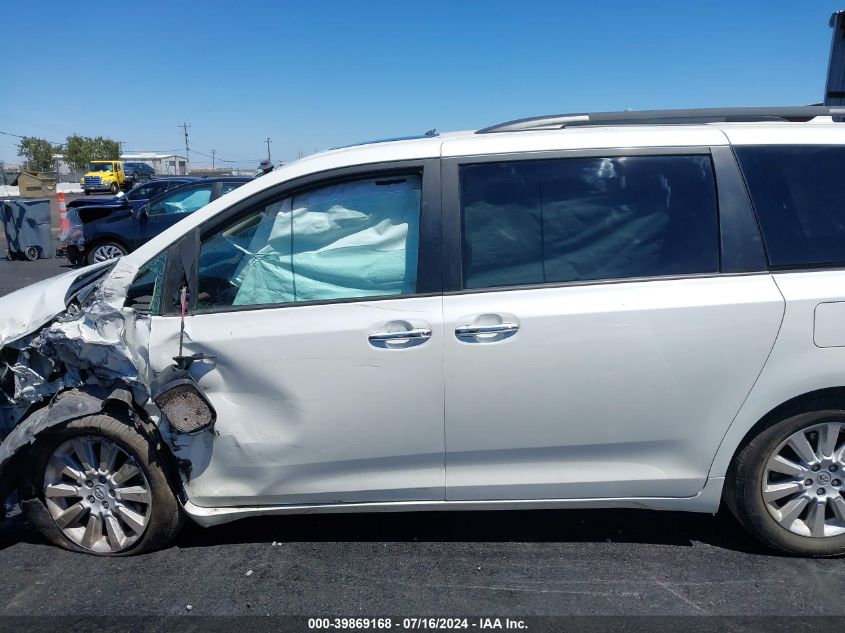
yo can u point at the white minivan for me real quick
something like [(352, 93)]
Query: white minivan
[(634, 309)]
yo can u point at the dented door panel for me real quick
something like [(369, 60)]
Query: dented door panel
[(309, 409)]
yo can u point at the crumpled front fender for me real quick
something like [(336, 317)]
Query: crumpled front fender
[(66, 406)]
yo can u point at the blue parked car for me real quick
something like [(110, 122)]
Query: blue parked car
[(136, 196), (107, 231)]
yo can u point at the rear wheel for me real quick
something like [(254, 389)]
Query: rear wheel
[(788, 484), (104, 251), (97, 485), (31, 253)]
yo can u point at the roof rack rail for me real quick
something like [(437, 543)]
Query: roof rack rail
[(666, 117)]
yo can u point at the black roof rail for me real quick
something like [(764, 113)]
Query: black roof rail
[(666, 117)]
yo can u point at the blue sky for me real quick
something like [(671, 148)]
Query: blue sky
[(313, 75)]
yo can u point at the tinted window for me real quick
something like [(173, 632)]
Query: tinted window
[(799, 197), (346, 240), (226, 187), (145, 191), (185, 200), (560, 220)]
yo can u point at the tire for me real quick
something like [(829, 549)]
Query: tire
[(107, 249), (114, 188), (804, 511), (31, 253), (135, 452)]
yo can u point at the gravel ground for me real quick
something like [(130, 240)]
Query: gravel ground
[(489, 563)]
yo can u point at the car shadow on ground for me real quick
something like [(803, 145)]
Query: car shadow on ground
[(530, 526), (527, 526)]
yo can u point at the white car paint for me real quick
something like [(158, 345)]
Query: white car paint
[(308, 409), (642, 359), (606, 390), (31, 307)]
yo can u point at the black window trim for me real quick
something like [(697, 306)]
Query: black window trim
[(429, 277), (740, 243)]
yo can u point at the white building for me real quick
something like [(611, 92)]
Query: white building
[(164, 164)]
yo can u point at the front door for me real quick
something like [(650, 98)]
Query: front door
[(325, 341), (593, 349)]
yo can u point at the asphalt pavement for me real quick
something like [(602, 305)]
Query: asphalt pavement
[(599, 562)]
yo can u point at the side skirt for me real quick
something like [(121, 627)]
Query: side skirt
[(706, 501)]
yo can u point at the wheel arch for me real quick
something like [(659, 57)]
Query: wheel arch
[(833, 397), (73, 404), (108, 237)]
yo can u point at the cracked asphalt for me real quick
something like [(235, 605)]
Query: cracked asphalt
[(599, 562)]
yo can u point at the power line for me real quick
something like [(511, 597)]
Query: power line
[(21, 136)]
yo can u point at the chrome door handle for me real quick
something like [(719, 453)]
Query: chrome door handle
[(475, 330), (419, 333)]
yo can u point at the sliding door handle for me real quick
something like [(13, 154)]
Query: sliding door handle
[(385, 337), (475, 330)]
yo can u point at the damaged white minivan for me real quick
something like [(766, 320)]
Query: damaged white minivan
[(635, 309)]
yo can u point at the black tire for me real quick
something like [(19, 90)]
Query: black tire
[(31, 253), (166, 517), (90, 257), (87, 192), (114, 188), (743, 487)]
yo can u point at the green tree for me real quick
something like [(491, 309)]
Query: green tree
[(81, 150), (38, 153)]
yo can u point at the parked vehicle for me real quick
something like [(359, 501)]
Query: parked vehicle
[(135, 196), (104, 175), (84, 210), (593, 310), (109, 232), (136, 173)]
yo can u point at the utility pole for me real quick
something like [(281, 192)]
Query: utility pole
[(212, 159), (268, 141), (120, 148), (185, 127)]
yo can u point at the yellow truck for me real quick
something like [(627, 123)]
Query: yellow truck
[(104, 175)]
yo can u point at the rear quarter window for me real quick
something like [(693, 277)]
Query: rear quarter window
[(798, 193)]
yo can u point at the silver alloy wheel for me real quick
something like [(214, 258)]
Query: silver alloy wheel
[(107, 251), (97, 494), (802, 483)]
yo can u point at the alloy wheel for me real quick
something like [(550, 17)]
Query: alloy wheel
[(106, 252), (802, 484), (97, 494)]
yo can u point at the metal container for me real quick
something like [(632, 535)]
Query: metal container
[(26, 223)]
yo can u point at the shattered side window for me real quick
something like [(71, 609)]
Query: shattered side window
[(346, 240), (144, 295)]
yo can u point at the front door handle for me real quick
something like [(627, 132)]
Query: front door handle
[(386, 337), (475, 330)]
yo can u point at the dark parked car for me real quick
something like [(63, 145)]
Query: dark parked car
[(84, 210), (136, 173), (123, 230), (136, 196)]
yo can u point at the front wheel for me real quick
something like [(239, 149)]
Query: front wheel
[(97, 485), (105, 251), (787, 485), (114, 188)]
